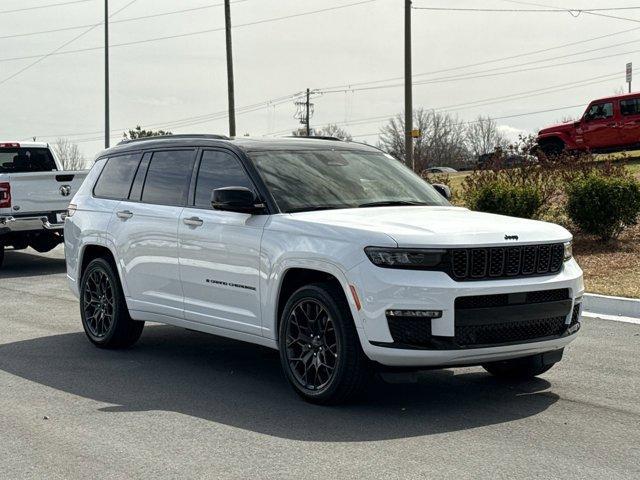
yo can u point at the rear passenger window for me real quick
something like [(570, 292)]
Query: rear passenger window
[(168, 177), (218, 169), (630, 107), (116, 177)]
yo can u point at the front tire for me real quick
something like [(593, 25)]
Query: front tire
[(520, 369), (319, 347), (105, 317)]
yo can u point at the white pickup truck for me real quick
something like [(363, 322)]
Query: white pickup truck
[(34, 195)]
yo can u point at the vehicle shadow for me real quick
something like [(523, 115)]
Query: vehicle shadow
[(28, 263), (241, 385)]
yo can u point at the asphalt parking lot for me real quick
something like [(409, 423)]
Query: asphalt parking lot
[(187, 405)]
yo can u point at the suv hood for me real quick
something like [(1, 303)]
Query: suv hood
[(560, 127), (438, 226)]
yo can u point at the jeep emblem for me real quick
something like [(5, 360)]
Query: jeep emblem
[(65, 190), (511, 237)]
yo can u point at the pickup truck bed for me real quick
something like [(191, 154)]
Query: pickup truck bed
[(34, 196)]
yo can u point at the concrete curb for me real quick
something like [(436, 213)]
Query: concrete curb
[(611, 306)]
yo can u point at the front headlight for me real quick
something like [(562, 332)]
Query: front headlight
[(409, 258), (568, 250)]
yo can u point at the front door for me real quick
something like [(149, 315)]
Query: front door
[(220, 251), (599, 127)]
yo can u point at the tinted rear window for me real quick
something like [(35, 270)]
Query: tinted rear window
[(25, 160), (168, 177), (116, 177)]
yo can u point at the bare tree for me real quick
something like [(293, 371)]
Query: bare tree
[(333, 130), (484, 137), (441, 141), (69, 154)]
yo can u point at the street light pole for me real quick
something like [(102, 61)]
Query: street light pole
[(230, 85), (106, 75), (408, 91)]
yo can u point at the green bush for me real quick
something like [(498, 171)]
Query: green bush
[(506, 199), (603, 205)]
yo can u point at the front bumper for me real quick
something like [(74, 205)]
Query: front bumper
[(31, 223), (387, 289)]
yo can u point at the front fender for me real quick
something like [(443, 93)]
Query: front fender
[(565, 137), (272, 282)]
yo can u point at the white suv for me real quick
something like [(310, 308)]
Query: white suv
[(332, 252)]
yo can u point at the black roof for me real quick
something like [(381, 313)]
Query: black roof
[(246, 144)]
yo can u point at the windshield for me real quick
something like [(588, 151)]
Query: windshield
[(325, 179), (24, 160)]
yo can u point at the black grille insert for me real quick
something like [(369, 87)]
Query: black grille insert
[(410, 330), (508, 332), (505, 262)]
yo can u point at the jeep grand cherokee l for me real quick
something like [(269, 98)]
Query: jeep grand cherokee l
[(332, 252)]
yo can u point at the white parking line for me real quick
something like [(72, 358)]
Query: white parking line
[(613, 318)]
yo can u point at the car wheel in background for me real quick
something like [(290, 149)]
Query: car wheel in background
[(523, 368), (105, 317)]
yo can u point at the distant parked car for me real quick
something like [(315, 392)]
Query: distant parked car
[(441, 170), (608, 124)]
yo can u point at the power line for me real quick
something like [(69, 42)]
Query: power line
[(55, 51), (486, 62), (573, 11), (200, 32), (595, 12), (123, 20), (38, 7)]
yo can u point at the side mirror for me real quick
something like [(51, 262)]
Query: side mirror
[(236, 199), (442, 190)]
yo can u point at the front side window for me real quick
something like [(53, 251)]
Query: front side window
[(116, 177), (599, 111), (168, 177), (324, 179), (218, 169), (26, 160), (630, 107)]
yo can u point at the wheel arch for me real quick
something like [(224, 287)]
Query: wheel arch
[(91, 251), (292, 276)]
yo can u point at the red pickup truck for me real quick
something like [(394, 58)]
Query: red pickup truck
[(609, 124)]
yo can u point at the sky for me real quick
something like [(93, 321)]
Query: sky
[(468, 63)]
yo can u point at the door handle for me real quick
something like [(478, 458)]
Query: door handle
[(193, 221), (124, 214)]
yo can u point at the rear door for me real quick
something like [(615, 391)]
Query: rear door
[(600, 129), (630, 120), (145, 229), (220, 251)]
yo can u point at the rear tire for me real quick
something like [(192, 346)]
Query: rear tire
[(105, 317), (519, 369), (319, 346)]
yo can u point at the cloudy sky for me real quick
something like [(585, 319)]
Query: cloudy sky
[(524, 69)]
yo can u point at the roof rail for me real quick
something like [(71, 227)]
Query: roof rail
[(181, 135), (315, 137)]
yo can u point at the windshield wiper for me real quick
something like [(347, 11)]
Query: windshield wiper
[(391, 203)]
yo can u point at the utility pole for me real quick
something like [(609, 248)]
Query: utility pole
[(106, 75), (408, 88), (307, 116), (230, 86)]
